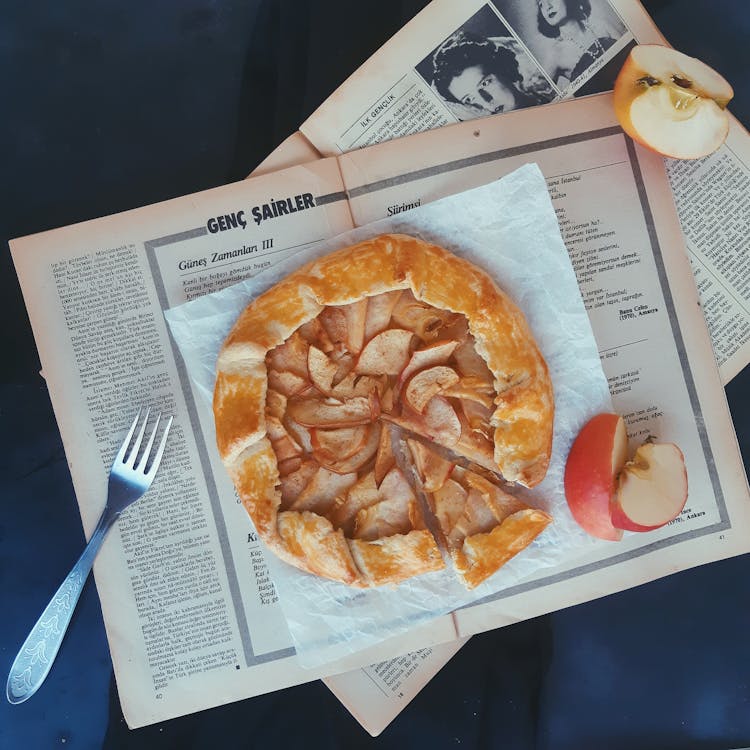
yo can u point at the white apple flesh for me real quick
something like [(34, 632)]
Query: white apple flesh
[(672, 103), (652, 488)]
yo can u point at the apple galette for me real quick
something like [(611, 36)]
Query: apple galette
[(370, 405)]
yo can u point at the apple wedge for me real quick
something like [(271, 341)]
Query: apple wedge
[(425, 384), (396, 513), (329, 413), (475, 444), (448, 503), (299, 433), (333, 320), (470, 364), (477, 518), (437, 353), (361, 495), (652, 488), (286, 448), (356, 460), (425, 320), (671, 103), (286, 383), (385, 458), (322, 489), (477, 448), (385, 354), (386, 518), (295, 481), (356, 316), (275, 429), (314, 333), (329, 446), (439, 422), (433, 469), (379, 311), (442, 421), (473, 389), (345, 362), (359, 385), (500, 502), (291, 356), (284, 445), (595, 460), (388, 400), (321, 370), (478, 417)]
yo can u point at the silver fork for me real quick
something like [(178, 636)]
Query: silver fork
[(131, 475)]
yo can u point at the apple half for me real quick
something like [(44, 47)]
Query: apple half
[(606, 493), (672, 103)]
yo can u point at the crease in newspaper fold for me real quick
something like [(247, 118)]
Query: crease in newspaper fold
[(177, 572)]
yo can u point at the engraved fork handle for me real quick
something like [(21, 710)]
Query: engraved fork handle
[(38, 652)]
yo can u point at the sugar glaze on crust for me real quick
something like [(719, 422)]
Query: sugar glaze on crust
[(521, 421)]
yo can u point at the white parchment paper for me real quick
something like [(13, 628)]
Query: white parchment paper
[(508, 228)]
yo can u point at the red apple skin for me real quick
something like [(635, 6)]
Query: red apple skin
[(621, 521), (590, 474)]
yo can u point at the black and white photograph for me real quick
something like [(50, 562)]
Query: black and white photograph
[(481, 70), (566, 36)]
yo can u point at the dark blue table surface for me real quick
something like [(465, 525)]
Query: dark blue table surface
[(112, 105)]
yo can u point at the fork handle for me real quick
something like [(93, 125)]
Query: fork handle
[(38, 652)]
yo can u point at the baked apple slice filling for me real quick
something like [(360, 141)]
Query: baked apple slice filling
[(341, 389), (324, 375)]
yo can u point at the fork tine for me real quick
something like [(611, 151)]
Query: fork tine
[(147, 450), (120, 457), (160, 450), (130, 460)]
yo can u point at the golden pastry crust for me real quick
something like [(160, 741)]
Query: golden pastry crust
[(483, 554), (522, 415)]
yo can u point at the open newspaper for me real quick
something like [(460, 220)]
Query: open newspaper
[(191, 613), (416, 82)]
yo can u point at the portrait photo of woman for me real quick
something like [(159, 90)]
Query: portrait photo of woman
[(567, 21), (565, 36), (478, 76)]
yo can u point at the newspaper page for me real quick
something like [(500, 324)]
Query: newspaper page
[(190, 610), (426, 77)]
